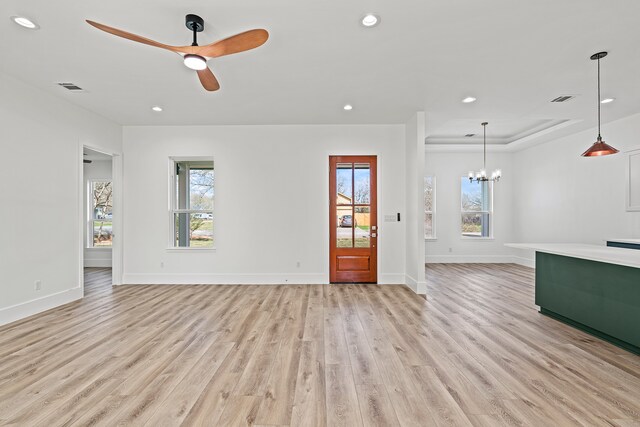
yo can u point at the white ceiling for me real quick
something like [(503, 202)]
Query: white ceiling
[(514, 56)]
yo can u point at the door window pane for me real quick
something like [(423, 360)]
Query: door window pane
[(362, 227), (362, 185), (344, 228), (344, 183)]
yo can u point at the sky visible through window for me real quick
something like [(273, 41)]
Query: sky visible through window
[(361, 182)]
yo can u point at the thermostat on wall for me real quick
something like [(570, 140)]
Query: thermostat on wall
[(391, 218)]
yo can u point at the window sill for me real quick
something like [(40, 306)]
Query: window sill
[(104, 248), (483, 239), (191, 249), (430, 239)]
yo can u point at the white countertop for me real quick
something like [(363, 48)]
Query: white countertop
[(619, 256), (630, 241)]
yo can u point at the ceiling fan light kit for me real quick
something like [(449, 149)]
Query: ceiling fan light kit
[(194, 56), (195, 62), (599, 148)]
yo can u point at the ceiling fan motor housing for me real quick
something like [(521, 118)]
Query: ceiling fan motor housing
[(194, 23)]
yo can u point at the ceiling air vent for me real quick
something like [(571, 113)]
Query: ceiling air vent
[(469, 135), (563, 98), (71, 86)]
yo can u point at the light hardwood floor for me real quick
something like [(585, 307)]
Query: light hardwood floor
[(475, 352)]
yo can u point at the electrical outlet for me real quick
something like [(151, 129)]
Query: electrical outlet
[(161, 264), (298, 264), (450, 249), (38, 285)]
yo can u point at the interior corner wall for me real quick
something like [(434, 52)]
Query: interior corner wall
[(96, 170), (271, 208), (450, 246), (563, 197), (42, 136), (414, 222)]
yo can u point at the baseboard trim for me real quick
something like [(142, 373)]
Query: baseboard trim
[(244, 279), (411, 283), (419, 287), (35, 306), (527, 262), (468, 259), (477, 259), (224, 279), (391, 279)]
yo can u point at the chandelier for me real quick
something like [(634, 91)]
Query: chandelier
[(481, 176)]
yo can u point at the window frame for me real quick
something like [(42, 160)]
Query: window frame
[(172, 205), (90, 210), (490, 213), (432, 212)]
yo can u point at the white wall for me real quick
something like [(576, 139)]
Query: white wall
[(271, 201), (414, 224), (563, 197), (449, 245), (96, 170), (40, 179)]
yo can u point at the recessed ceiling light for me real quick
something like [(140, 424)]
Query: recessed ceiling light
[(607, 100), (370, 20), (469, 100), (25, 22), (157, 109), (348, 107)]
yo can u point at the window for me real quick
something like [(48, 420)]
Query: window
[(192, 204), (429, 207), (477, 208), (100, 214)]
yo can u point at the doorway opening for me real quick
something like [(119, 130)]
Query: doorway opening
[(97, 219)]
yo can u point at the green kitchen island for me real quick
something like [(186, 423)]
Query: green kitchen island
[(590, 287)]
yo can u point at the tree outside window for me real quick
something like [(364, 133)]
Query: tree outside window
[(101, 214)]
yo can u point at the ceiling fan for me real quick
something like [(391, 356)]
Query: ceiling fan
[(194, 56)]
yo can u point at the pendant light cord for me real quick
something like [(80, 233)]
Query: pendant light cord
[(599, 136), (484, 138)]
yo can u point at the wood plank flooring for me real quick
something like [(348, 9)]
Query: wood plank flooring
[(475, 352)]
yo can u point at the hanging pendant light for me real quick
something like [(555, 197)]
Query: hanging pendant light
[(482, 174), (599, 148)]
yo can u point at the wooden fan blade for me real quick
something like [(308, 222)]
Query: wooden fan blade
[(135, 37), (208, 80), (234, 44)]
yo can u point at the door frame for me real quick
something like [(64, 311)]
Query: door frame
[(116, 180), (352, 158)]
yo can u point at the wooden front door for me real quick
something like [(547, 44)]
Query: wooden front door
[(353, 219)]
